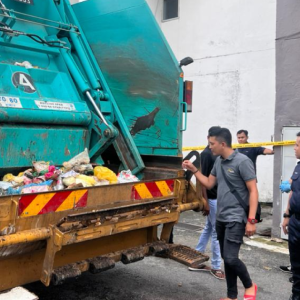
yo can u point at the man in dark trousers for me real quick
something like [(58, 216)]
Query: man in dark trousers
[(232, 220), (291, 224), (209, 231), (251, 152)]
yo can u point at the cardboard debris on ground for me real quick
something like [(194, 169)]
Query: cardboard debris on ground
[(18, 293)]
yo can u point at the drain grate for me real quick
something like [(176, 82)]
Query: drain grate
[(187, 255)]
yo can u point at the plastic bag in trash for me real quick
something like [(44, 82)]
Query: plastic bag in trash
[(50, 173), (84, 168), (12, 178), (36, 189), (27, 180), (39, 179), (69, 174), (8, 177), (69, 180), (100, 181), (12, 191), (25, 64), (81, 158), (79, 179), (40, 166), (126, 176), (105, 173), (5, 185), (59, 184), (19, 179), (85, 180)]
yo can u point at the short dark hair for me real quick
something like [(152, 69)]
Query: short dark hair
[(298, 134), (243, 131), (212, 130), (223, 135)]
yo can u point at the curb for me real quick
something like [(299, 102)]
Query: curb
[(267, 244)]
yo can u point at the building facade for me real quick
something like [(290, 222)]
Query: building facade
[(233, 46), (287, 119)]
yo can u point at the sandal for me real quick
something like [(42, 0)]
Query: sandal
[(219, 274), (251, 297), (200, 268)]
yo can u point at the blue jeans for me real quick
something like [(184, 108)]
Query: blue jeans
[(210, 231)]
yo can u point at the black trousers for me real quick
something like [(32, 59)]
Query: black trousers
[(230, 236), (294, 247)]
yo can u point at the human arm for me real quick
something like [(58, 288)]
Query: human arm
[(268, 151), (208, 182), (253, 202), (285, 222), (206, 163), (206, 204)]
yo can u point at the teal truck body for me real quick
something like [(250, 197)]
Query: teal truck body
[(111, 55)]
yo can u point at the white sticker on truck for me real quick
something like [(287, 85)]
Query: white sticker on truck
[(13, 102), (55, 105)]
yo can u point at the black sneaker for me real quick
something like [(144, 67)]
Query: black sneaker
[(291, 280), (286, 269)]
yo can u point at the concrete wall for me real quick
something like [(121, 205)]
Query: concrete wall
[(233, 45), (287, 86)]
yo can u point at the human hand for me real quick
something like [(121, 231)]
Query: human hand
[(206, 208), (250, 229), (205, 213), (189, 166), (285, 225), (285, 186)]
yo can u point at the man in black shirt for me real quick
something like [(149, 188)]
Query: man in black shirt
[(209, 231), (252, 153)]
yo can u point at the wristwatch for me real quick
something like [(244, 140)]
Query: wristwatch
[(286, 215), (252, 221)]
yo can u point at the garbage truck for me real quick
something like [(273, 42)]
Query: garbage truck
[(98, 75)]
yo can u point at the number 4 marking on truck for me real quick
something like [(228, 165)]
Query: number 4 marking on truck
[(25, 82)]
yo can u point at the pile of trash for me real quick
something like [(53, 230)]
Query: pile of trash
[(76, 173)]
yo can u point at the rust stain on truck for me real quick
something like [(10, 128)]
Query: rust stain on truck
[(144, 122)]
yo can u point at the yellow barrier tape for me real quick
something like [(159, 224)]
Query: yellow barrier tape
[(250, 145)]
